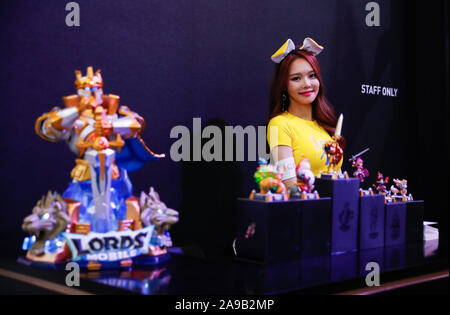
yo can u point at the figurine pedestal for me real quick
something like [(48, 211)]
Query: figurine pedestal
[(371, 221), (271, 232), (345, 206), (414, 221), (395, 224)]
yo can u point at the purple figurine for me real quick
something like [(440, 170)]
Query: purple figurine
[(381, 183), (360, 172), (357, 162)]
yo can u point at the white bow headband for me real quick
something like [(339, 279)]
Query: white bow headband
[(309, 45)]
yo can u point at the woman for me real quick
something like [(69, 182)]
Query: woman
[(301, 120)]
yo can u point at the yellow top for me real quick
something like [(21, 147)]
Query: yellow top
[(303, 136)]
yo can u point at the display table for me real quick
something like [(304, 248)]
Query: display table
[(183, 274)]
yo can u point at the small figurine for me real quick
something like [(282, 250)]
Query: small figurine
[(401, 186), (305, 177), (333, 152), (357, 162), (305, 182), (155, 212), (48, 219), (360, 172), (381, 183), (268, 177)]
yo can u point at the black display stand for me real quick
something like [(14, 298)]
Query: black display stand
[(371, 221), (395, 224), (344, 194), (415, 211), (270, 232)]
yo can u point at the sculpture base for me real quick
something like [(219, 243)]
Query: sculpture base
[(140, 261), (269, 197)]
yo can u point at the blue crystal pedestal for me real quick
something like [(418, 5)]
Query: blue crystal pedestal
[(81, 193), (121, 190)]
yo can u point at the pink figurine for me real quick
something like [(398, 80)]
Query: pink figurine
[(400, 188), (305, 177), (381, 183), (360, 172)]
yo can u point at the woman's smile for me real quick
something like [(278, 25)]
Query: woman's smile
[(307, 93)]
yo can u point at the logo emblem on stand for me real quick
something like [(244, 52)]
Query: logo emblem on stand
[(345, 217), (395, 227), (373, 223)]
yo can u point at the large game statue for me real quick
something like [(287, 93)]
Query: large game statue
[(106, 137)]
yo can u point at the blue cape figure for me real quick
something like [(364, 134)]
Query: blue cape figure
[(134, 154)]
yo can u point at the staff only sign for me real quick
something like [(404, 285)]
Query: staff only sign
[(111, 246), (377, 90)]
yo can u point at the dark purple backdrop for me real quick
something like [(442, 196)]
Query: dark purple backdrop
[(174, 60)]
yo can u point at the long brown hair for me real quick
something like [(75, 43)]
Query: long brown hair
[(322, 111)]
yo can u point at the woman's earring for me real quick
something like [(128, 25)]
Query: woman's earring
[(283, 102)]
